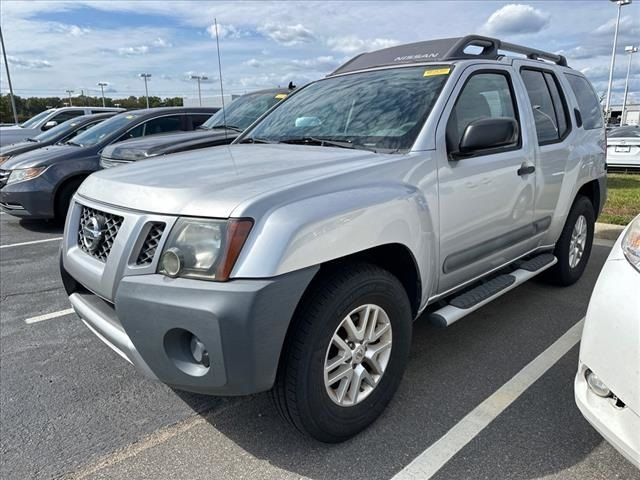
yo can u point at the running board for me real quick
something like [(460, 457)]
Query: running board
[(473, 299)]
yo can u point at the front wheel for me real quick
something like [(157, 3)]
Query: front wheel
[(574, 245), (346, 353)]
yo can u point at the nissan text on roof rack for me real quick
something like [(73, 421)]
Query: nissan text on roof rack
[(421, 180)]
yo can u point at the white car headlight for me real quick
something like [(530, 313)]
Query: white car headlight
[(203, 249), (22, 174), (631, 243)]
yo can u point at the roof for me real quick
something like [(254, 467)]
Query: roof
[(155, 110), (443, 49)]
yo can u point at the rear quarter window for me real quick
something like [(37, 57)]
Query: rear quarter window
[(588, 102)]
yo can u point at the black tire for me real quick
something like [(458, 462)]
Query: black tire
[(300, 394), (63, 198), (562, 273)]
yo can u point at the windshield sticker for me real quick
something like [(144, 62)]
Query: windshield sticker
[(436, 71), (280, 96)]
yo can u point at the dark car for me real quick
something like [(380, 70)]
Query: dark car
[(58, 134), (40, 184), (221, 129)]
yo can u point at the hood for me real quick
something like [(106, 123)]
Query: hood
[(214, 181), (20, 147), (141, 148), (42, 156)]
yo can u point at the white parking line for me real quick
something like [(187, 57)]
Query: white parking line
[(427, 464), (31, 242), (49, 316)]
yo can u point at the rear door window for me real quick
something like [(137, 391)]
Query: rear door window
[(67, 115), (547, 105), (588, 102)]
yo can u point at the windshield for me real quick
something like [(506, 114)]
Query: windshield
[(628, 132), (58, 131), (243, 111), (382, 110), (101, 131), (33, 121)]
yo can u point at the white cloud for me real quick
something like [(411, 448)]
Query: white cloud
[(352, 44), (27, 64), (516, 19), (287, 35), (72, 30), (627, 27), (253, 62), (161, 43), (129, 51), (226, 31)]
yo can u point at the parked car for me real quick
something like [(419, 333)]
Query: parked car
[(221, 129), (58, 134), (39, 184), (607, 384), (623, 147), (417, 179), (46, 120)]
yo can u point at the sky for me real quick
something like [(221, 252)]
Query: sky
[(53, 46)]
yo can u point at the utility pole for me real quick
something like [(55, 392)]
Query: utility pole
[(102, 85), (630, 51), (6, 65), (199, 78), (69, 92), (146, 89), (607, 107)]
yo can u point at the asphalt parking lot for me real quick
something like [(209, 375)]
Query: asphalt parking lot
[(70, 407)]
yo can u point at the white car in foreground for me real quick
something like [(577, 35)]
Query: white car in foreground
[(607, 385)]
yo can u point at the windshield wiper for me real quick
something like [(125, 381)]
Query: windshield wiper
[(71, 142), (228, 127), (255, 140), (32, 140), (325, 142)]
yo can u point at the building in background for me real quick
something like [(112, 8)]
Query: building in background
[(632, 114)]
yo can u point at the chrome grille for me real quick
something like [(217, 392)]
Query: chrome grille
[(4, 176), (108, 226), (150, 245)]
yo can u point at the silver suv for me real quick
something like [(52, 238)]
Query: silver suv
[(422, 180)]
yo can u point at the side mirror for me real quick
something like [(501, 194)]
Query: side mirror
[(487, 133), (49, 124)]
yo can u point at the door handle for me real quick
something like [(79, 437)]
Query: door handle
[(526, 170)]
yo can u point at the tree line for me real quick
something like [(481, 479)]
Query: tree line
[(28, 107)]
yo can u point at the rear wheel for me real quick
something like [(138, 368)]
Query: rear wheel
[(346, 353), (63, 198), (574, 245)]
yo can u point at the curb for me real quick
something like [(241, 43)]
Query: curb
[(607, 231)]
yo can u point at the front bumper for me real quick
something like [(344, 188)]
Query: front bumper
[(619, 426), (31, 198), (242, 323)]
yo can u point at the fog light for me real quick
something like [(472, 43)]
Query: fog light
[(171, 262), (199, 352), (596, 385)]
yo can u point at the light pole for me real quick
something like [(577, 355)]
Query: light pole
[(146, 89), (6, 65), (102, 85), (69, 92), (607, 107), (630, 49), (199, 78)]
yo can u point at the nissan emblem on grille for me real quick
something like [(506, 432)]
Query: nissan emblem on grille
[(97, 232), (92, 233)]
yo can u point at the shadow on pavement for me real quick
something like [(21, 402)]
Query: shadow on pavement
[(41, 226)]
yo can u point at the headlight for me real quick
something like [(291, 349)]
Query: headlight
[(631, 243), (22, 174), (4, 158), (203, 249)]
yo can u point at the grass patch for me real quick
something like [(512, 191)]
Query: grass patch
[(623, 199)]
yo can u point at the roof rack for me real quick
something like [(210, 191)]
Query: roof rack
[(443, 49)]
